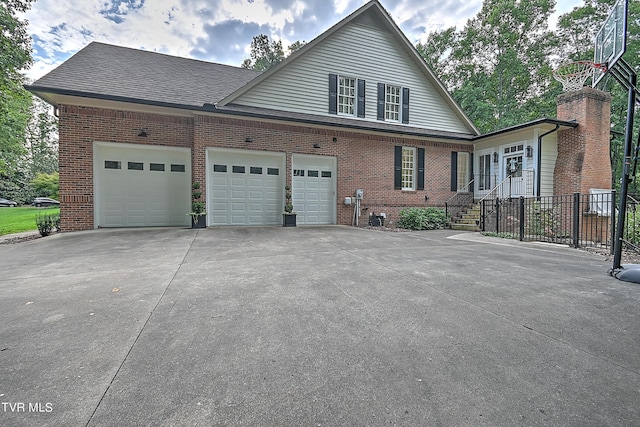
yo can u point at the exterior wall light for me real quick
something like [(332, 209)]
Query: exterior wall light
[(495, 157), (529, 151)]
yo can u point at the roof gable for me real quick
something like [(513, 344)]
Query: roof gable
[(367, 44)]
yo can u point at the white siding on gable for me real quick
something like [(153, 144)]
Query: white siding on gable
[(362, 52)]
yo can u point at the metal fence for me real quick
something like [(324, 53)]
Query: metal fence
[(586, 220)]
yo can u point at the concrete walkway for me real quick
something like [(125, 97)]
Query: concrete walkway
[(320, 326)]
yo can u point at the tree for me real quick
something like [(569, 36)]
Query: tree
[(265, 54), (498, 63), (15, 45)]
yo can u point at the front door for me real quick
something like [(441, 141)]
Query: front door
[(515, 185)]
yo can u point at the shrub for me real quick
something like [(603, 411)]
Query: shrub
[(422, 218), (47, 223)]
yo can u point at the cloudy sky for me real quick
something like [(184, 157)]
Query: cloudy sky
[(216, 30)]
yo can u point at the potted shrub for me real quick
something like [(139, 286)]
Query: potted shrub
[(198, 214), (289, 216)]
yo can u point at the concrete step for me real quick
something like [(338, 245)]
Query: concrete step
[(465, 227)]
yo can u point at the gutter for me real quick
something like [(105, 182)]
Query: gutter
[(539, 166)]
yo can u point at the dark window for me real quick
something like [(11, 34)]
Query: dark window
[(237, 169), (298, 172), (312, 174), (111, 164), (135, 166), (177, 168), (255, 170), (156, 167), (273, 171), (219, 168), (326, 174)]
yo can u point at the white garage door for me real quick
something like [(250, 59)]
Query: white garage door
[(313, 185), (141, 186), (245, 187)]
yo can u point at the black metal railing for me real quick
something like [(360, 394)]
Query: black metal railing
[(586, 220)]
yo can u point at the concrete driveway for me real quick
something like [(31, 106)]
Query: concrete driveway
[(317, 326)]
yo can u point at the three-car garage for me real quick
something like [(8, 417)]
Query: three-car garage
[(149, 185)]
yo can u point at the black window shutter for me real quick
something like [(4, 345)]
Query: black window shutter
[(361, 89), (405, 105), (420, 168), (333, 94), (397, 175), (454, 171), (381, 101)]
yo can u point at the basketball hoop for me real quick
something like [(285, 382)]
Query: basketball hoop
[(573, 75)]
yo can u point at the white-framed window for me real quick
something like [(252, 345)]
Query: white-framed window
[(392, 103), (408, 168), (346, 95)]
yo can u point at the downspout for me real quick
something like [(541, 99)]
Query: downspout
[(539, 175)]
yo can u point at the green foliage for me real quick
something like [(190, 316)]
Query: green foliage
[(498, 63), (503, 234), (542, 221), (631, 232), (265, 53), (197, 206), (288, 205), (47, 223), (16, 220), (422, 218), (46, 185)]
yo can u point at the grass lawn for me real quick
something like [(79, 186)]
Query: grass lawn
[(16, 220)]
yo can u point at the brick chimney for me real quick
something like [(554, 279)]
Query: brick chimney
[(583, 152)]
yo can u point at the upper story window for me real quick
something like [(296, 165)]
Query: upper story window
[(392, 103), (346, 95)]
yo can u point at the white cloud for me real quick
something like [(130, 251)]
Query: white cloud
[(218, 31)]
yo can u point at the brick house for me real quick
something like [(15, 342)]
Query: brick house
[(356, 108)]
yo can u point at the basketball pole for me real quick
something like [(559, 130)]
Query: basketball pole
[(624, 184)]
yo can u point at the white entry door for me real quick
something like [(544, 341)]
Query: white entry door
[(245, 187), (314, 189)]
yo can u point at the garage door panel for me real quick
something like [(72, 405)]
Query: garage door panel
[(147, 197), (313, 189), (252, 195)]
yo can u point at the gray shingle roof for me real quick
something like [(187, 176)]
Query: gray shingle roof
[(113, 71)]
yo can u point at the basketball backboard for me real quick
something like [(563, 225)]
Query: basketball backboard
[(611, 40)]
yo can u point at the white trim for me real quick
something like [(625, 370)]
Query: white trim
[(296, 158)]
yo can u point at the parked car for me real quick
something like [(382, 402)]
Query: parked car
[(4, 203), (44, 201)]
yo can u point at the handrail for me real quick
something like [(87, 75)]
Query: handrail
[(457, 192), (494, 189)]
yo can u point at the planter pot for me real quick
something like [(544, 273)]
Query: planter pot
[(288, 220), (198, 221)]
